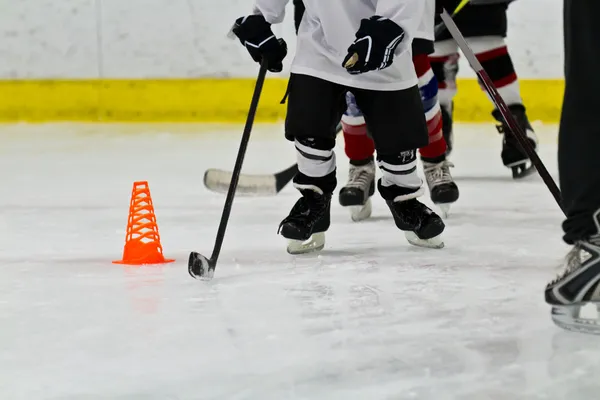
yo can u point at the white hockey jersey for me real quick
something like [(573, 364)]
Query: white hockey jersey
[(427, 25), (328, 28)]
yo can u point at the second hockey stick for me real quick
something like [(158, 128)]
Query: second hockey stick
[(199, 266), (439, 28), (217, 180), (515, 129)]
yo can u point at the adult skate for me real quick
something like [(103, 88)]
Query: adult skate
[(577, 286)]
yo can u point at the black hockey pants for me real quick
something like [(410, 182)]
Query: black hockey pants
[(579, 134)]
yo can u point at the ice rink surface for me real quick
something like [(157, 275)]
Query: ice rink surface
[(370, 317)]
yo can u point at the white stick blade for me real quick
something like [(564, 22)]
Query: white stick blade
[(218, 181)]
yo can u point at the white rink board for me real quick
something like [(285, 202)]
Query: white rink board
[(368, 318), (187, 38)]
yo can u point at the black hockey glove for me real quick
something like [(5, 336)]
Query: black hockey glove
[(255, 33), (374, 47)]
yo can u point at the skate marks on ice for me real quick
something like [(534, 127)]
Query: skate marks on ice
[(375, 330), (369, 317)]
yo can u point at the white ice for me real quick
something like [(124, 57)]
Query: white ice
[(368, 318)]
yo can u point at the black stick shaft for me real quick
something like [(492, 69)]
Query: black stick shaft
[(238, 163), (502, 107)]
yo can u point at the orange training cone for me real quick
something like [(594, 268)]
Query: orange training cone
[(142, 242)]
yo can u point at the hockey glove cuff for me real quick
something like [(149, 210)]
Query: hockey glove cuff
[(374, 47), (256, 35)]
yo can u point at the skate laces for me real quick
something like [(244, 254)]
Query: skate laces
[(573, 262), (438, 173), (360, 176)]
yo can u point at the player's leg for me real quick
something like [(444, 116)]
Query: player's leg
[(492, 53), (314, 108), (444, 64), (397, 124), (359, 148), (442, 189), (484, 27), (579, 167)]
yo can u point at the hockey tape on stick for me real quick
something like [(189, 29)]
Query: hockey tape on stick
[(460, 6)]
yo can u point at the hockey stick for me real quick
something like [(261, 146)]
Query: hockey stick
[(515, 129), (198, 265), (439, 28), (217, 180)]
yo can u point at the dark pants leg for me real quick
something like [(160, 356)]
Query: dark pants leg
[(315, 107), (396, 121), (579, 134)]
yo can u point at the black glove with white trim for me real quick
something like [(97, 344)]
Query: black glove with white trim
[(374, 47), (256, 35)]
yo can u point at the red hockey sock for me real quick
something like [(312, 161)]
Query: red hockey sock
[(437, 144), (499, 66), (358, 145)]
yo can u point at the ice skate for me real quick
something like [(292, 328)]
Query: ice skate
[(442, 189), (576, 287), (513, 155), (308, 220), (356, 195), (422, 227)]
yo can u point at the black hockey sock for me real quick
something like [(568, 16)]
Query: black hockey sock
[(326, 183), (434, 160), (360, 163)]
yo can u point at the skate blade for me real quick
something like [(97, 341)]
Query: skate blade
[(522, 171), (435, 242), (444, 209), (360, 213), (571, 319), (315, 243)]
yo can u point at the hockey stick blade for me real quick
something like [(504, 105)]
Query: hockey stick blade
[(217, 180), (200, 267), (500, 104)]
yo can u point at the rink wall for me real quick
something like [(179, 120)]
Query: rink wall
[(170, 60)]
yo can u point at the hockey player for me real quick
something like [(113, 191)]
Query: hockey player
[(484, 27), (377, 68), (579, 168), (359, 146)]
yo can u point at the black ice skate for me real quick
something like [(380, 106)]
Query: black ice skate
[(309, 219), (442, 189), (422, 227), (513, 155), (578, 285), (356, 195)]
